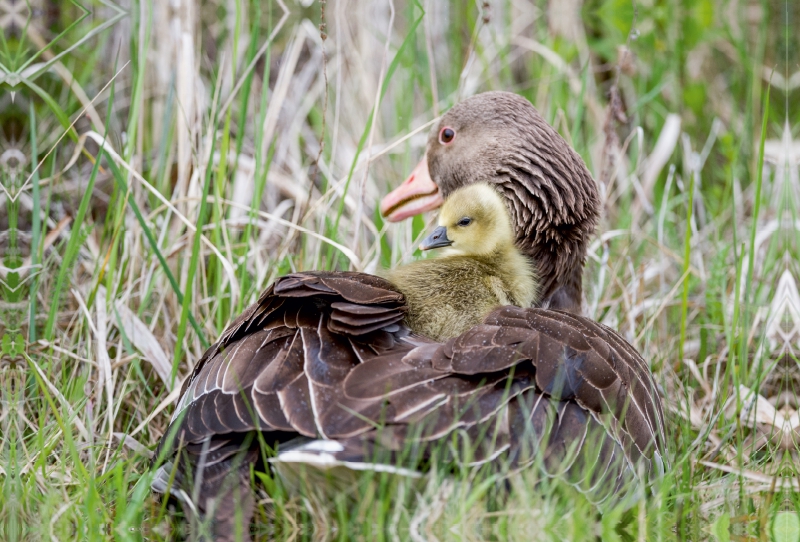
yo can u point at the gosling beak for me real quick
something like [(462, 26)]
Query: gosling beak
[(416, 195), (437, 239)]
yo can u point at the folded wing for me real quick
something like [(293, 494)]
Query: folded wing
[(327, 356)]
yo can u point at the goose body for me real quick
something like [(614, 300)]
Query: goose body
[(330, 355), (480, 268)]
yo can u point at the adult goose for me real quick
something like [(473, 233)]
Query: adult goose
[(326, 355)]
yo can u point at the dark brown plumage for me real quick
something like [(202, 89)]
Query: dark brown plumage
[(326, 354)]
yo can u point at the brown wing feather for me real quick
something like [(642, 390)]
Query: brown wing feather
[(295, 401)]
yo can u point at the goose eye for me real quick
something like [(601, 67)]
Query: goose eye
[(465, 221), (446, 135)]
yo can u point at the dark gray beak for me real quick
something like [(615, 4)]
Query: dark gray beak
[(437, 239)]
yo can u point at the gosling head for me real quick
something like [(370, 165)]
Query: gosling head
[(474, 221)]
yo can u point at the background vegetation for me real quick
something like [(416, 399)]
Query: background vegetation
[(244, 140)]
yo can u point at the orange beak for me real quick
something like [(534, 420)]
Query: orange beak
[(416, 195)]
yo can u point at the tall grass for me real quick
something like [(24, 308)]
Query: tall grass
[(163, 162)]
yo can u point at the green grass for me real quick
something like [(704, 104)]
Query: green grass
[(120, 265)]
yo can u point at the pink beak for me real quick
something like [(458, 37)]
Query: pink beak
[(416, 195)]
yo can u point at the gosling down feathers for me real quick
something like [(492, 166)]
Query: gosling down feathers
[(479, 268), (329, 355)]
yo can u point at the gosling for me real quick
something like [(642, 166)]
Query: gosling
[(479, 269)]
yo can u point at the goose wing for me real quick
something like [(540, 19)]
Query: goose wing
[(280, 366), (326, 355), (531, 373)]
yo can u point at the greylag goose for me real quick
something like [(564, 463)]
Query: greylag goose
[(479, 269), (326, 354)]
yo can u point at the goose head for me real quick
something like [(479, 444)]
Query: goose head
[(500, 138), (473, 221)]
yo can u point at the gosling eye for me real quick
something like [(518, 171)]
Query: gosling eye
[(446, 135), (466, 221)]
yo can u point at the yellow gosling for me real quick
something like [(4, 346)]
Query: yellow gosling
[(479, 268)]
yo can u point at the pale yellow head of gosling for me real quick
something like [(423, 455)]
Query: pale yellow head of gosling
[(473, 221)]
